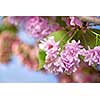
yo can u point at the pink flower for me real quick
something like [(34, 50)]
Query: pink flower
[(66, 61), (39, 27), (72, 49), (49, 46), (52, 60), (69, 56), (92, 56), (72, 21), (54, 65)]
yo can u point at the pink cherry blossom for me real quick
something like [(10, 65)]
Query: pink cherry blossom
[(39, 27), (66, 61), (69, 56), (72, 21), (92, 56), (54, 65), (52, 60), (49, 46)]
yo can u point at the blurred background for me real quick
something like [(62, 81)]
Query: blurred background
[(18, 57), (15, 71)]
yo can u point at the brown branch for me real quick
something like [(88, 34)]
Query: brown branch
[(90, 19)]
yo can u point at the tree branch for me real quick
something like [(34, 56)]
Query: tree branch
[(90, 19)]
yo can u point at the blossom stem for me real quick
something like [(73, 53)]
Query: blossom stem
[(96, 40), (85, 40), (94, 67), (95, 33), (73, 35), (97, 37)]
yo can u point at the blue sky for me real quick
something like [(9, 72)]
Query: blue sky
[(15, 72)]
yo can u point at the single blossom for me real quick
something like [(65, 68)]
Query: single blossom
[(92, 56), (73, 48), (50, 46), (72, 21), (69, 56)]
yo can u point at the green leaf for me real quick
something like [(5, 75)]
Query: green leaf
[(60, 21), (61, 36), (86, 38), (10, 28), (97, 34), (95, 41), (41, 58), (96, 30)]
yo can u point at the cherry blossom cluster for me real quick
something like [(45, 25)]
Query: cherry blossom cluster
[(52, 61), (70, 56), (67, 60), (36, 26), (92, 56), (39, 27)]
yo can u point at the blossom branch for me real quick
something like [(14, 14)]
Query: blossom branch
[(90, 19)]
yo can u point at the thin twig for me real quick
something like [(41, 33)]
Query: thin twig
[(93, 19)]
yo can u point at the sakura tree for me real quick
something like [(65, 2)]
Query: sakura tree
[(66, 46)]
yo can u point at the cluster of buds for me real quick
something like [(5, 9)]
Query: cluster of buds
[(91, 56)]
